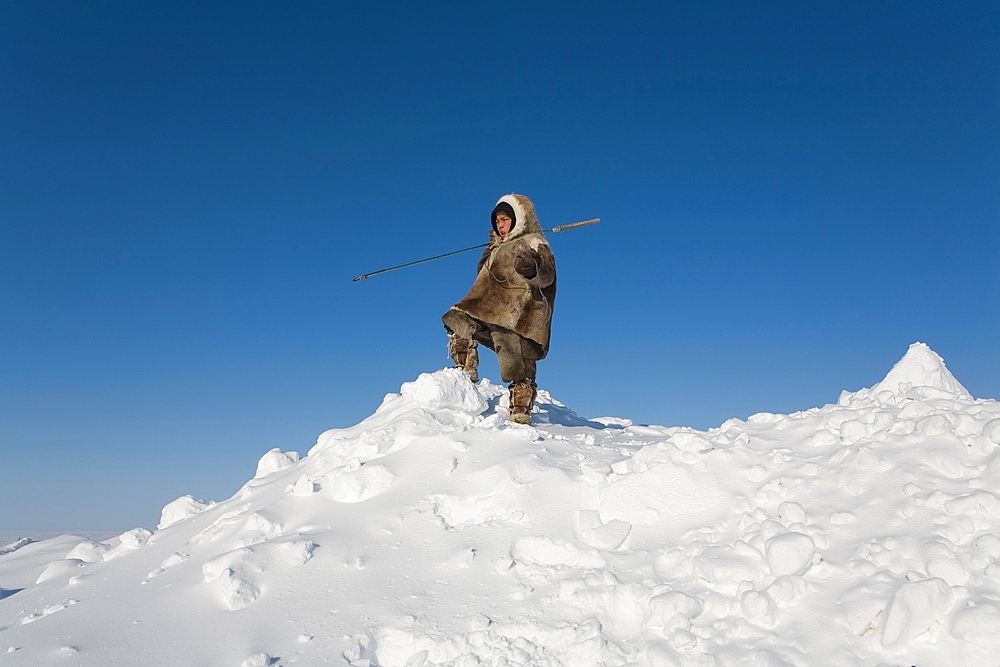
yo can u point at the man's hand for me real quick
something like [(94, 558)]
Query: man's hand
[(526, 262)]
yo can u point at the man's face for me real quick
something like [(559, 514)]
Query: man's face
[(503, 225)]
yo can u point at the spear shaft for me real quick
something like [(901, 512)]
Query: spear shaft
[(558, 228)]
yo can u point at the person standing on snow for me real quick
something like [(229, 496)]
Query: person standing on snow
[(509, 308)]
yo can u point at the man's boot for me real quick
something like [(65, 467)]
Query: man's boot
[(522, 399), (464, 354)]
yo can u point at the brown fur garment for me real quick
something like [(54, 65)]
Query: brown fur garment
[(501, 296)]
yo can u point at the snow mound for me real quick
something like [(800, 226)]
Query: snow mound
[(448, 389), (435, 532), (920, 374)]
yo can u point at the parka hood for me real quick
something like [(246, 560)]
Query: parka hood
[(525, 220)]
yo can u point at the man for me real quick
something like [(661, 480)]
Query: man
[(509, 308)]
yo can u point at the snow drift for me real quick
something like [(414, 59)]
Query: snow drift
[(436, 533)]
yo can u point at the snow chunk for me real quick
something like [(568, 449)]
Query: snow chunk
[(89, 551), (789, 554), (355, 486), (274, 461), (135, 538), (298, 552), (914, 608), (725, 566), (237, 591), (257, 660), (976, 623), (759, 608), (608, 536), (447, 389), (991, 431), (129, 541), (459, 512), (180, 509), (261, 528), (304, 486), (672, 611)]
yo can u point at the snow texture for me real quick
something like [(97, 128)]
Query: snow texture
[(436, 533)]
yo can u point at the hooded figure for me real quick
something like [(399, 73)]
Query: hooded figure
[(509, 308)]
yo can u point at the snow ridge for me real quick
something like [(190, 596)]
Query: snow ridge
[(436, 533)]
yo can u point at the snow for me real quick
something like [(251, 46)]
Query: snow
[(865, 532)]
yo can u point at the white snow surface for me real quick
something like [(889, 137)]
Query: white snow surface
[(436, 533)]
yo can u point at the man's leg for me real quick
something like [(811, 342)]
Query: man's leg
[(513, 365), (517, 357), (461, 342)]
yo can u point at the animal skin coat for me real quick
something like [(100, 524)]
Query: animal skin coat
[(501, 296)]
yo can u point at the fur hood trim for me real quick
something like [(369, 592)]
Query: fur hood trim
[(525, 220)]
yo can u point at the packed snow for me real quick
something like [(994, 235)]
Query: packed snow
[(865, 532)]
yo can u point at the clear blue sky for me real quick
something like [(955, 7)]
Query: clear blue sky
[(791, 193)]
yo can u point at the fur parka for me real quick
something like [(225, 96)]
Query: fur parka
[(501, 296)]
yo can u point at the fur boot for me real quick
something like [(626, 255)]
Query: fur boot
[(465, 355), (522, 400)]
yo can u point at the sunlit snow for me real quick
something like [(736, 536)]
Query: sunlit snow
[(434, 532)]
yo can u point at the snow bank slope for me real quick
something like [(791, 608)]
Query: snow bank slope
[(435, 533)]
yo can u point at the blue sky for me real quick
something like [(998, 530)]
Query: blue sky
[(790, 195)]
